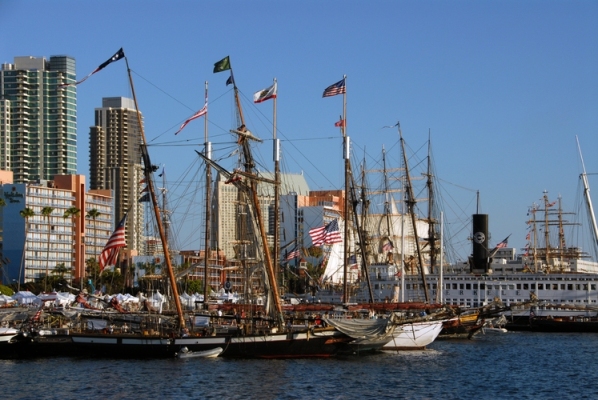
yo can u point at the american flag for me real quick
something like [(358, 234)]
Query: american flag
[(387, 247), (503, 244), (293, 254), (198, 114), (334, 89), (328, 234), (340, 123), (109, 255)]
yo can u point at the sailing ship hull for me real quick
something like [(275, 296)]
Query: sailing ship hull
[(554, 324), (122, 346), (287, 345), (414, 336), (27, 345), (564, 325), (463, 327)]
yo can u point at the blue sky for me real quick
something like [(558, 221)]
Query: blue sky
[(503, 87)]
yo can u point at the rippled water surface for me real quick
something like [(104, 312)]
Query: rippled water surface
[(516, 365)]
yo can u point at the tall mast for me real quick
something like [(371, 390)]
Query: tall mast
[(546, 230), (362, 235), (276, 155), (411, 208), (387, 210), (244, 138), (148, 170), (431, 222), (346, 156), (208, 154)]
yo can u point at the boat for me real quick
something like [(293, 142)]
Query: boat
[(495, 325), (414, 335), (564, 324), (6, 334), (186, 353), (558, 273), (120, 334)]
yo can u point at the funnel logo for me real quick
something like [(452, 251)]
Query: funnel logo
[(479, 237)]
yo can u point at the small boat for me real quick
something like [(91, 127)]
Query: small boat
[(6, 334), (495, 325), (186, 353)]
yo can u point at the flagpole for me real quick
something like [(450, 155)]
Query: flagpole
[(346, 153), (276, 154), (208, 154)]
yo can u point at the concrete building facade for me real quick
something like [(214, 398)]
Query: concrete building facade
[(115, 163), (35, 245)]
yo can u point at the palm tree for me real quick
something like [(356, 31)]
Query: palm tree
[(94, 214), (73, 213), (25, 213), (46, 212)]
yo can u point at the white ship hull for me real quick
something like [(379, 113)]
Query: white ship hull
[(414, 336)]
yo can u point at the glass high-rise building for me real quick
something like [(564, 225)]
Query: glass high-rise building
[(38, 118)]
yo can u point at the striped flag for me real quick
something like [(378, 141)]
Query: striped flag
[(340, 123), (198, 114), (335, 88), (293, 254), (503, 244), (388, 246), (109, 255), (328, 234)]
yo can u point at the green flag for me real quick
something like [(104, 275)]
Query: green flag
[(222, 65)]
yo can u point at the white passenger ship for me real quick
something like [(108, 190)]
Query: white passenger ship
[(509, 279)]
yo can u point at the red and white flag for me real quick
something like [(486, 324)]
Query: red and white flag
[(109, 255), (340, 123), (328, 234), (198, 114), (265, 94)]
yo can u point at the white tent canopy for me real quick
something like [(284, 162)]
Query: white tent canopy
[(26, 298)]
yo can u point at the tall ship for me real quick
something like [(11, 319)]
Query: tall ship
[(550, 277)]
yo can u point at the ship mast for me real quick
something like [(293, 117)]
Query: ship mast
[(411, 209), (431, 221), (148, 170), (387, 210), (243, 139), (361, 233), (208, 154)]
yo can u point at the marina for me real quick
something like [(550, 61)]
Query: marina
[(307, 243)]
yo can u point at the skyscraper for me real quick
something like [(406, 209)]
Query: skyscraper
[(38, 118), (115, 162)]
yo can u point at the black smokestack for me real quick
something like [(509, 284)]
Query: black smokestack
[(480, 243)]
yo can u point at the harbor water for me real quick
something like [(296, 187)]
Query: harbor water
[(514, 365)]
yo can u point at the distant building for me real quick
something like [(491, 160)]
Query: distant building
[(54, 239), (226, 223), (115, 163), (38, 118)]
